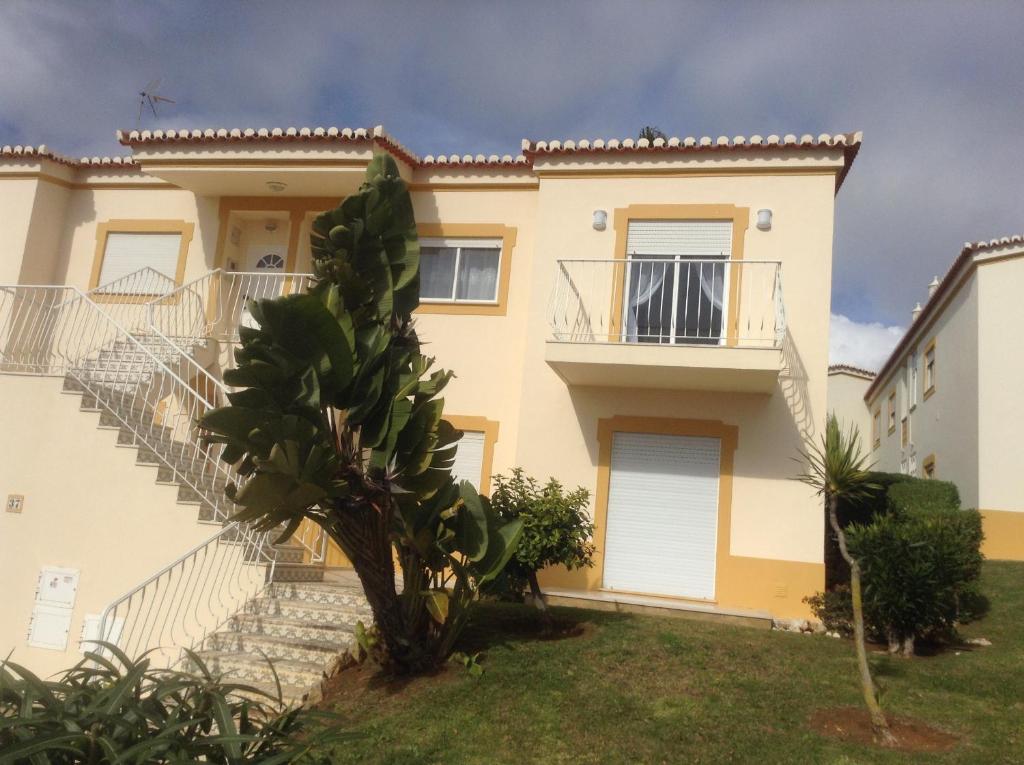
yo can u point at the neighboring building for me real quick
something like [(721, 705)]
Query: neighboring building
[(614, 312), (946, 403), (846, 388)]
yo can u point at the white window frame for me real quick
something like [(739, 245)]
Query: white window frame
[(913, 379), (458, 243)]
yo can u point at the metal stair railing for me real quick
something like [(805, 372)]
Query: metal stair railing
[(57, 329), (209, 308)]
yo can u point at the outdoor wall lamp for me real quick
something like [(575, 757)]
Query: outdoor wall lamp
[(600, 220), (764, 219), (276, 186)]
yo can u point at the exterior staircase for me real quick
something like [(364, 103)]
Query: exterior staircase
[(300, 627), (300, 622), (152, 391)]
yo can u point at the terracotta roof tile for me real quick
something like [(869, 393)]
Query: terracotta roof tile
[(375, 135), (42, 152), (849, 368), (690, 143)]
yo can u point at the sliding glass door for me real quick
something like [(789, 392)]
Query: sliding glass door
[(675, 300)]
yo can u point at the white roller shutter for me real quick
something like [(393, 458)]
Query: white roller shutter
[(685, 238), (663, 515), (469, 459), (126, 253)]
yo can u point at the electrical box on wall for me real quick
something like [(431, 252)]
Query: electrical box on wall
[(55, 603)]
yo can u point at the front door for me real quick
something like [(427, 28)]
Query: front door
[(662, 525)]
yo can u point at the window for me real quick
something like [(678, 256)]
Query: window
[(876, 429), (913, 378), (929, 370), (905, 430), (928, 466), (460, 270), (124, 247), (475, 456), (271, 262), (892, 413)]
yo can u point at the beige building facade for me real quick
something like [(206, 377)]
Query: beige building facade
[(945, 404), (648, 320)]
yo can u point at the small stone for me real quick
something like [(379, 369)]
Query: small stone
[(832, 634), (978, 641), (818, 628)]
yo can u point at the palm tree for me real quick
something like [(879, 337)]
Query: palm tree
[(837, 471)]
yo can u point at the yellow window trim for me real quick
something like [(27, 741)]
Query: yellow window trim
[(138, 226), (929, 378), (740, 217), (507, 235), (490, 430), (729, 438), (928, 466)]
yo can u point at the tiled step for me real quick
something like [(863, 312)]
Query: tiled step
[(296, 572), (280, 649), (294, 629), (313, 613), (243, 667), (328, 594)]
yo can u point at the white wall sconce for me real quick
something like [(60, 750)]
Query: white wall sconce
[(764, 219), (600, 220), (276, 186), (270, 225)]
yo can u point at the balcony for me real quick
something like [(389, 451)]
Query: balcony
[(668, 323)]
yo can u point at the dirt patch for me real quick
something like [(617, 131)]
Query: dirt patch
[(366, 685), (854, 725)]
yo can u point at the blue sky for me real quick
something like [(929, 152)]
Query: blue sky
[(937, 88)]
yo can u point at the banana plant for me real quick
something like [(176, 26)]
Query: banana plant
[(336, 417)]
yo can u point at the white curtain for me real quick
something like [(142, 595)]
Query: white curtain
[(646, 281), (478, 274)]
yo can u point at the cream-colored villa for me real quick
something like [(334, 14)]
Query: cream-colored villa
[(946, 404), (646, 319)]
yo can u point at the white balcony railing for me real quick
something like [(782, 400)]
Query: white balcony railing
[(669, 301)]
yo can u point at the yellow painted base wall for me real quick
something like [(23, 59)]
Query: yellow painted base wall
[(1004, 534), (755, 584)]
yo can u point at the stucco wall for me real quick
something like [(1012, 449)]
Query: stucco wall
[(846, 400), (1001, 370), (88, 506)]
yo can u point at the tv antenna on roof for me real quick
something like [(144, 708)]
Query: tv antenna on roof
[(149, 96)]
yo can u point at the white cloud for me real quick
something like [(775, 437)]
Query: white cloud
[(861, 344)]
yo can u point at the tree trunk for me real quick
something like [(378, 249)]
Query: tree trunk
[(538, 601), (879, 725), (362, 535)]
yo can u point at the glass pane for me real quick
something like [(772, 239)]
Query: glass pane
[(649, 308), (437, 272), (478, 274), (700, 303)]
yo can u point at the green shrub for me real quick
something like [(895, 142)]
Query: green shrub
[(116, 710), (921, 567), (557, 530), (834, 609), (922, 495)]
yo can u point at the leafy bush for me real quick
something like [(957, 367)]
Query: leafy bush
[(834, 609), (923, 496), (557, 530), (116, 710), (921, 570)]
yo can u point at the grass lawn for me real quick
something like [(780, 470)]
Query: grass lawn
[(645, 689)]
